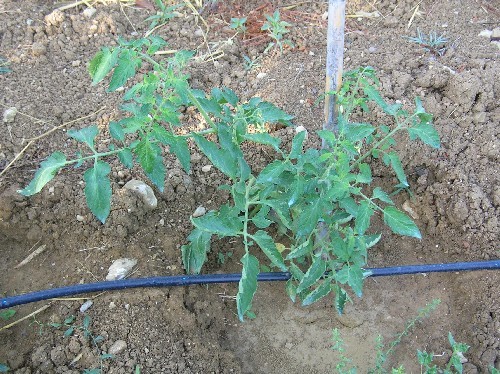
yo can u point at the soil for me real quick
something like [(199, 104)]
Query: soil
[(456, 192)]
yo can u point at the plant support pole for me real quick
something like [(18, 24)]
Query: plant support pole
[(334, 62)]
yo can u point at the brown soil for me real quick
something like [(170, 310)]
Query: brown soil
[(194, 329)]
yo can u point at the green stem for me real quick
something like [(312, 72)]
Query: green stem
[(248, 203)]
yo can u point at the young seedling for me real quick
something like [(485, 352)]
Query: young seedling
[(276, 29), (162, 17), (250, 64), (433, 42), (294, 194), (238, 24)]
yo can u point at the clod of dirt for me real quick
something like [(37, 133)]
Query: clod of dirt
[(144, 191), (89, 12), (120, 268), (9, 114)]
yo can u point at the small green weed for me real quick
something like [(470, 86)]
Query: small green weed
[(223, 257), (433, 42), (277, 29), (69, 327), (238, 24), (424, 358), (163, 15), (4, 66), (321, 199), (5, 315), (250, 64)]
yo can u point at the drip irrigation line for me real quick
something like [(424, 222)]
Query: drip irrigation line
[(186, 280)]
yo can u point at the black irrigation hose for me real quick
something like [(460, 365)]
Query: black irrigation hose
[(185, 280)]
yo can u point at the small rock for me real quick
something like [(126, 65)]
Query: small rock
[(117, 347), (86, 306), (89, 12), (206, 168), (348, 320), (162, 222), (372, 49), (311, 53), (120, 268), (409, 209), (261, 75), (80, 218), (198, 33), (200, 211), (142, 189), (495, 33), (486, 33), (38, 49), (9, 114), (462, 358), (112, 305), (75, 63), (301, 129)]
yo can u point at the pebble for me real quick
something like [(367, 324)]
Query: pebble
[(38, 49), (75, 63), (261, 75), (117, 347), (80, 218), (409, 209), (301, 129), (143, 190), (9, 114), (372, 49), (120, 268), (89, 12), (206, 168), (200, 211), (86, 306)]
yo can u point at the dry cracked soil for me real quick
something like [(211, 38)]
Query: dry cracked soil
[(455, 191)]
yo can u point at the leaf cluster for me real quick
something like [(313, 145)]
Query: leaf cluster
[(277, 28), (322, 201)]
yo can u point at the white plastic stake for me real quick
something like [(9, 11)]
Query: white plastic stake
[(334, 61)]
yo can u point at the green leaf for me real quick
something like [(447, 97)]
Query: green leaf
[(128, 62), (341, 298), (98, 190), (301, 250), (194, 254), (296, 272), (374, 95), (264, 138), (247, 285), (318, 293), (116, 131), (353, 276), (178, 145), (357, 131), (86, 322), (271, 172), (313, 274), (297, 142), (45, 173), (7, 314), (126, 158), (102, 63), (69, 332), (425, 132), (266, 243), (365, 213), (271, 113), (151, 160), (380, 194), (309, 217), (220, 224), (400, 223), (221, 159), (291, 290), (365, 174), (260, 219), (392, 158), (281, 209), (85, 135), (4, 368)]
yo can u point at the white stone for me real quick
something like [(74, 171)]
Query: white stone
[(301, 129), (261, 75), (85, 306), (120, 268), (9, 114), (200, 211), (143, 190), (117, 347), (206, 168), (89, 12), (486, 33)]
